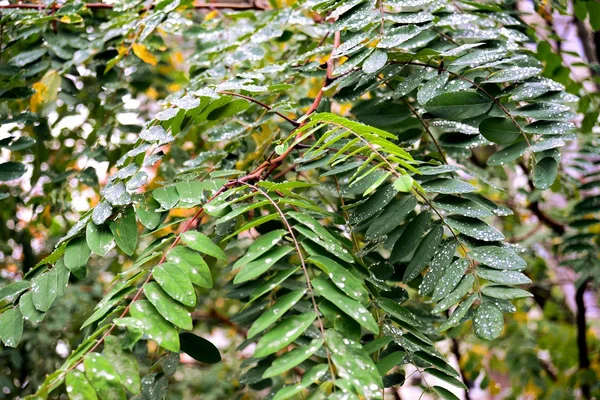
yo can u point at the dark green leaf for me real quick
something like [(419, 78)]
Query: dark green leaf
[(124, 230)]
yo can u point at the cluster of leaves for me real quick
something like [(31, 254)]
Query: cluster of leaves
[(355, 261)]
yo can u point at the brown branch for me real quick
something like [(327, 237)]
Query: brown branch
[(466, 381), (265, 106), (582, 346), (101, 6)]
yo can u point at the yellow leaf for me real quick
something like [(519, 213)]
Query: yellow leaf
[(211, 15), (71, 19), (144, 54), (38, 98), (46, 90), (152, 93)]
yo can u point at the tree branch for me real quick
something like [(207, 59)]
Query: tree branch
[(582, 346)]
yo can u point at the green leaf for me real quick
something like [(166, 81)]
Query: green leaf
[(353, 363), (447, 186), (273, 313), (505, 292), (272, 282), (124, 364), (291, 359), (199, 348), (167, 197), (283, 334), (391, 217), (12, 290), (257, 267), (403, 184), (410, 237), (154, 326), (103, 377), (28, 310), (167, 307), (77, 255), (374, 62), (11, 327), (457, 106), (259, 247), (474, 228), (190, 193), (462, 206), (424, 253), (448, 281), (376, 344), (147, 213), (499, 130), (508, 154), (458, 314), (438, 266), (11, 170), (175, 282), (513, 74), (342, 278), (503, 277), (488, 321), (387, 363), (124, 230), (397, 311), (203, 244), (192, 264), (99, 239), (454, 297), (155, 386), (78, 386), (444, 393), (27, 57), (410, 83), (351, 307), (498, 258), (439, 363), (17, 93), (549, 127), (327, 240), (545, 172), (44, 289), (373, 204)]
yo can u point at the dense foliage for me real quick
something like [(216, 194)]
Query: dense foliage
[(344, 187)]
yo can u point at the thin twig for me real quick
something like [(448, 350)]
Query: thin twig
[(265, 106), (304, 269)]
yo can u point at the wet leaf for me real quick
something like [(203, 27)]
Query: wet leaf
[(192, 264), (203, 244), (351, 307), (276, 311), (283, 334), (103, 377), (488, 321), (175, 283), (167, 307)]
